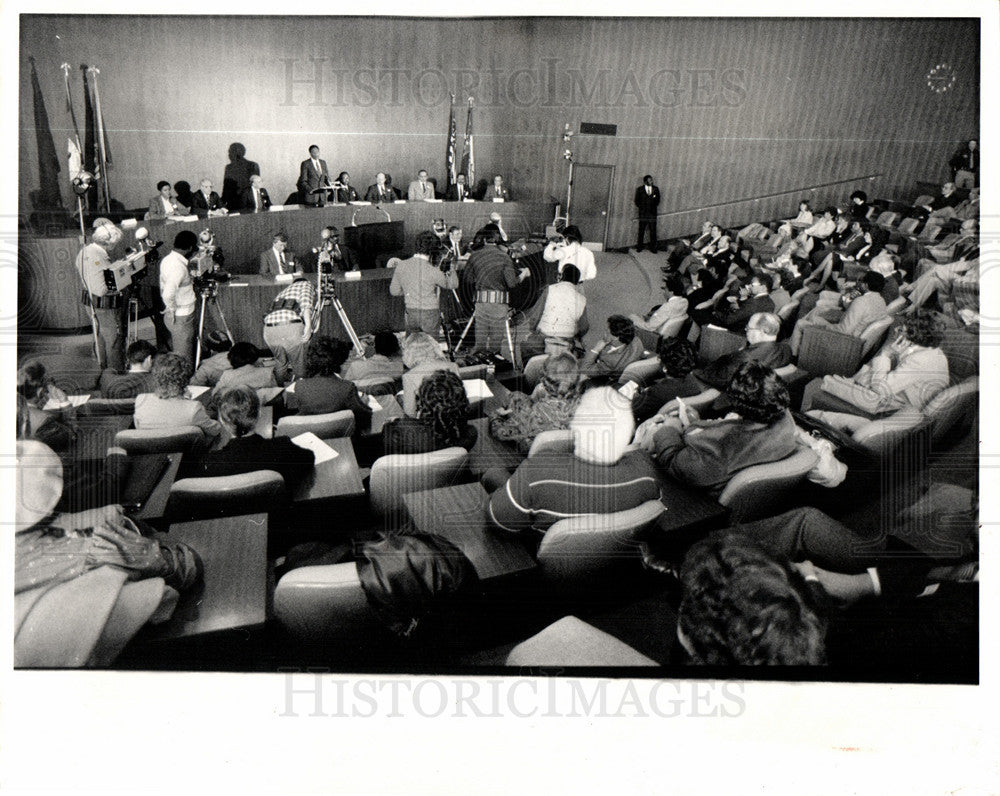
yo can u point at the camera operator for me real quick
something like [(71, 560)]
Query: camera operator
[(177, 292), (146, 286), (491, 271), (331, 254), (209, 257), (418, 280), (109, 305), (288, 323), (567, 249)]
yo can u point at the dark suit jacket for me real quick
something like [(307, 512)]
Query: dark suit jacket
[(269, 263), (347, 194), (251, 453), (246, 200), (451, 195), (309, 180), (735, 318), (647, 203), (491, 193), (319, 395), (772, 354), (372, 194), (200, 206)]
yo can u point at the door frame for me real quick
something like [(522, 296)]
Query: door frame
[(611, 193)]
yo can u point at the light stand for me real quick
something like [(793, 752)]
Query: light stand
[(568, 156), (79, 270)]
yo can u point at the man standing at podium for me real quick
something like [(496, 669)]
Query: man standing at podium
[(313, 174)]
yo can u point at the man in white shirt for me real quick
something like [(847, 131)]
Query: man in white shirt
[(570, 249), (420, 189), (255, 198), (109, 307), (178, 294), (277, 259)]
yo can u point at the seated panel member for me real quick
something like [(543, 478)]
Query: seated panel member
[(277, 259), (137, 379), (247, 451), (345, 193), (602, 475), (381, 191), (497, 190), (165, 204), (255, 198), (420, 189), (205, 202), (458, 192)]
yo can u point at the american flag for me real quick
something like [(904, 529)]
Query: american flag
[(469, 156), (452, 141)]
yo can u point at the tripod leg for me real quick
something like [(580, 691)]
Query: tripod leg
[(510, 342), (225, 325), (201, 330), (348, 327), (465, 331), (132, 328)]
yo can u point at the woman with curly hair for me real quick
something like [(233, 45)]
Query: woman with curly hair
[(442, 419), (550, 406), (606, 360), (742, 606), (169, 406), (707, 453), (421, 357), (678, 359), (909, 371), (323, 390)]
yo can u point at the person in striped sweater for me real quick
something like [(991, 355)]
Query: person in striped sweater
[(602, 474)]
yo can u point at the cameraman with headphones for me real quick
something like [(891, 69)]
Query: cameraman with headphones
[(177, 292), (417, 280), (493, 275)]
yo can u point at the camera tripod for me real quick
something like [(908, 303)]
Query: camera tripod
[(510, 336), (326, 296), (209, 293)]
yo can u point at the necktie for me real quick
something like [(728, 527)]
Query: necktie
[(256, 199), (649, 191), (281, 262)]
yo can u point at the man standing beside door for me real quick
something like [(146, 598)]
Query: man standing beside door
[(647, 199)]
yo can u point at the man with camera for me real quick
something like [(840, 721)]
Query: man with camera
[(418, 281), (493, 275), (177, 292), (568, 248), (109, 305)]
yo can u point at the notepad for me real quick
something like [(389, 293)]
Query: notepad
[(477, 389), (284, 277), (373, 403), (352, 276), (320, 449), (71, 400), (291, 387), (194, 392)]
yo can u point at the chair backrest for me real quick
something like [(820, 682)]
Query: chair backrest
[(907, 225), (826, 351), (897, 305), (400, 474), (378, 385), (879, 436), (887, 219), (874, 334), (648, 338), (73, 374), (579, 547), (322, 602), (923, 199), (640, 371), (327, 426), (786, 310), (717, 342), (672, 327), (557, 440), (226, 496), (951, 407), (178, 439), (760, 491), (534, 369)]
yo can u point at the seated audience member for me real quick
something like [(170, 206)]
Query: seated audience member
[(618, 349), (84, 582), (705, 291), (965, 247), (323, 390), (568, 249), (549, 407), (245, 370), (859, 205), (698, 255), (675, 305), (859, 313), (164, 204), (211, 368), (805, 216), (852, 248), (824, 226), (886, 264), (947, 198), (677, 363), (418, 280), (736, 311), (254, 197), (168, 407), (708, 453), (137, 379), (421, 356), (908, 371), (956, 282), (386, 363), (783, 283), (442, 419), (841, 231), (205, 202), (46, 413), (602, 474), (558, 319), (762, 346), (247, 451), (684, 247), (743, 607)]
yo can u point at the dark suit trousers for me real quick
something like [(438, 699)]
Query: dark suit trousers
[(644, 224)]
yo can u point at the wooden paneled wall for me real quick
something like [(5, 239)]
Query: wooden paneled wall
[(716, 109)]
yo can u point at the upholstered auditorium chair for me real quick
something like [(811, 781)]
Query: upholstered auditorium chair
[(952, 408), (763, 490), (181, 439), (572, 642), (324, 602), (576, 550), (262, 491), (716, 342), (399, 474), (557, 440), (825, 351), (325, 426)]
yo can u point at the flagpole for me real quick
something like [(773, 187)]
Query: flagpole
[(102, 151)]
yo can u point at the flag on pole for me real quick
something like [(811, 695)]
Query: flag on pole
[(450, 156), (91, 161), (469, 155), (48, 161)]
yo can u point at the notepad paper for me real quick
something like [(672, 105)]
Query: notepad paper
[(194, 392), (352, 276), (373, 402), (477, 389), (71, 400), (320, 449), (284, 277)]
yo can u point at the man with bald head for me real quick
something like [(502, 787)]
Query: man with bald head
[(205, 202), (109, 306), (255, 198), (380, 192)]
